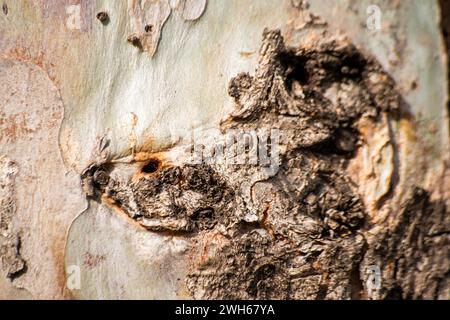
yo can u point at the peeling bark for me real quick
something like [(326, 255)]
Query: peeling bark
[(148, 18), (12, 263), (162, 149), (307, 238)]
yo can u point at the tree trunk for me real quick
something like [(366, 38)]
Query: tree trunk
[(157, 149)]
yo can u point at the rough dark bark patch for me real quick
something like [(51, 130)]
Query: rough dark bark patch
[(11, 261), (306, 245), (414, 254), (293, 233)]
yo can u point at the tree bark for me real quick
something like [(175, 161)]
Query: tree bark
[(166, 149)]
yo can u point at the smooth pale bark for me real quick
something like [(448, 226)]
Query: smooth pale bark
[(70, 83)]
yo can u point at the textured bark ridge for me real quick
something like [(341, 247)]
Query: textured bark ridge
[(415, 252), (294, 229), (305, 243)]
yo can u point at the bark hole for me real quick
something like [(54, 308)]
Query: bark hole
[(152, 166)]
